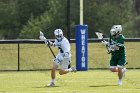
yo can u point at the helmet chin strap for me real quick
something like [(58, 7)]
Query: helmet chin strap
[(116, 34), (60, 39)]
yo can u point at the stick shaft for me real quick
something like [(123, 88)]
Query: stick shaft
[(52, 51)]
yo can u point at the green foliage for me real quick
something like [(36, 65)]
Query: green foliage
[(27, 8), (23, 18), (9, 24), (34, 26), (47, 22), (106, 13)]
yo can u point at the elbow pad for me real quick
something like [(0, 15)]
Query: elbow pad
[(66, 55)]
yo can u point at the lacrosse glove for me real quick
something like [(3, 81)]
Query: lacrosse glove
[(58, 60), (105, 43)]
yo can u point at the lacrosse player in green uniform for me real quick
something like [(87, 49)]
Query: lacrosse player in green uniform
[(117, 49)]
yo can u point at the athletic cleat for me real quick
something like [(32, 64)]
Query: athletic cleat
[(73, 69), (51, 84), (124, 70), (120, 82)]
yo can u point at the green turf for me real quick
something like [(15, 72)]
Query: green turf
[(92, 81)]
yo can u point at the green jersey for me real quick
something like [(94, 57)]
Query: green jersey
[(118, 56), (119, 41)]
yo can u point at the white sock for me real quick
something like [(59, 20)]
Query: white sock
[(53, 80)]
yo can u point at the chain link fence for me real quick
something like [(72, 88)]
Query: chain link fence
[(35, 55)]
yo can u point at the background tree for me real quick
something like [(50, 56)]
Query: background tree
[(9, 24), (52, 18), (24, 18)]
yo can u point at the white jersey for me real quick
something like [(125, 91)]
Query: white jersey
[(63, 46), (63, 59)]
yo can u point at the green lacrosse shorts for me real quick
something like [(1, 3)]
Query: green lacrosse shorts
[(118, 59)]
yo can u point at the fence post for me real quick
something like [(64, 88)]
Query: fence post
[(18, 57)]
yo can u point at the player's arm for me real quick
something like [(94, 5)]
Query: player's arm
[(118, 44), (66, 49)]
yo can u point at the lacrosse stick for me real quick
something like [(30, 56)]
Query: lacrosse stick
[(47, 43), (100, 36)]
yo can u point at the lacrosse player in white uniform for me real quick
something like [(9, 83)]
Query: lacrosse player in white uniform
[(63, 59)]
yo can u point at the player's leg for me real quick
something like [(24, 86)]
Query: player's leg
[(113, 69), (121, 69), (113, 64), (64, 67), (120, 74), (65, 71), (52, 83)]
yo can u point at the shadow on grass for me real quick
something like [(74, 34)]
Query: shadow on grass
[(47, 87), (103, 85)]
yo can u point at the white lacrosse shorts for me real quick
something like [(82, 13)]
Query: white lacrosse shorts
[(64, 63)]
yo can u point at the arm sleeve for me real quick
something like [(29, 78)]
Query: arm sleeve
[(120, 42), (66, 46), (66, 49)]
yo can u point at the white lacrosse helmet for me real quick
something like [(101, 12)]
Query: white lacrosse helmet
[(116, 29), (58, 34)]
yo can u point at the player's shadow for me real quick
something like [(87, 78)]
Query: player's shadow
[(46, 87), (103, 85)]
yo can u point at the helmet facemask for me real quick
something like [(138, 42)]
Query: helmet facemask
[(116, 29), (58, 34)]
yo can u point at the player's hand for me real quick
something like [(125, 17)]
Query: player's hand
[(112, 47), (108, 50), (58, 60), (105, 43), (49, 43)]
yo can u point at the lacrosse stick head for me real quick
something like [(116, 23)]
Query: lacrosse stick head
[(99, 35), (41, 33), (42, 36)]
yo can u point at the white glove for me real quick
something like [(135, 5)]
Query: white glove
[(108, 50), (58, 60), (48, 42), (105, 43), (112, 47)]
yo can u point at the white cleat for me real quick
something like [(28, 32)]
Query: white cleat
[(119, 82), (51, 84), (73, 69)]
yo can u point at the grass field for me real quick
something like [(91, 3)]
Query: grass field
[(92, 81), (38, 56)]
